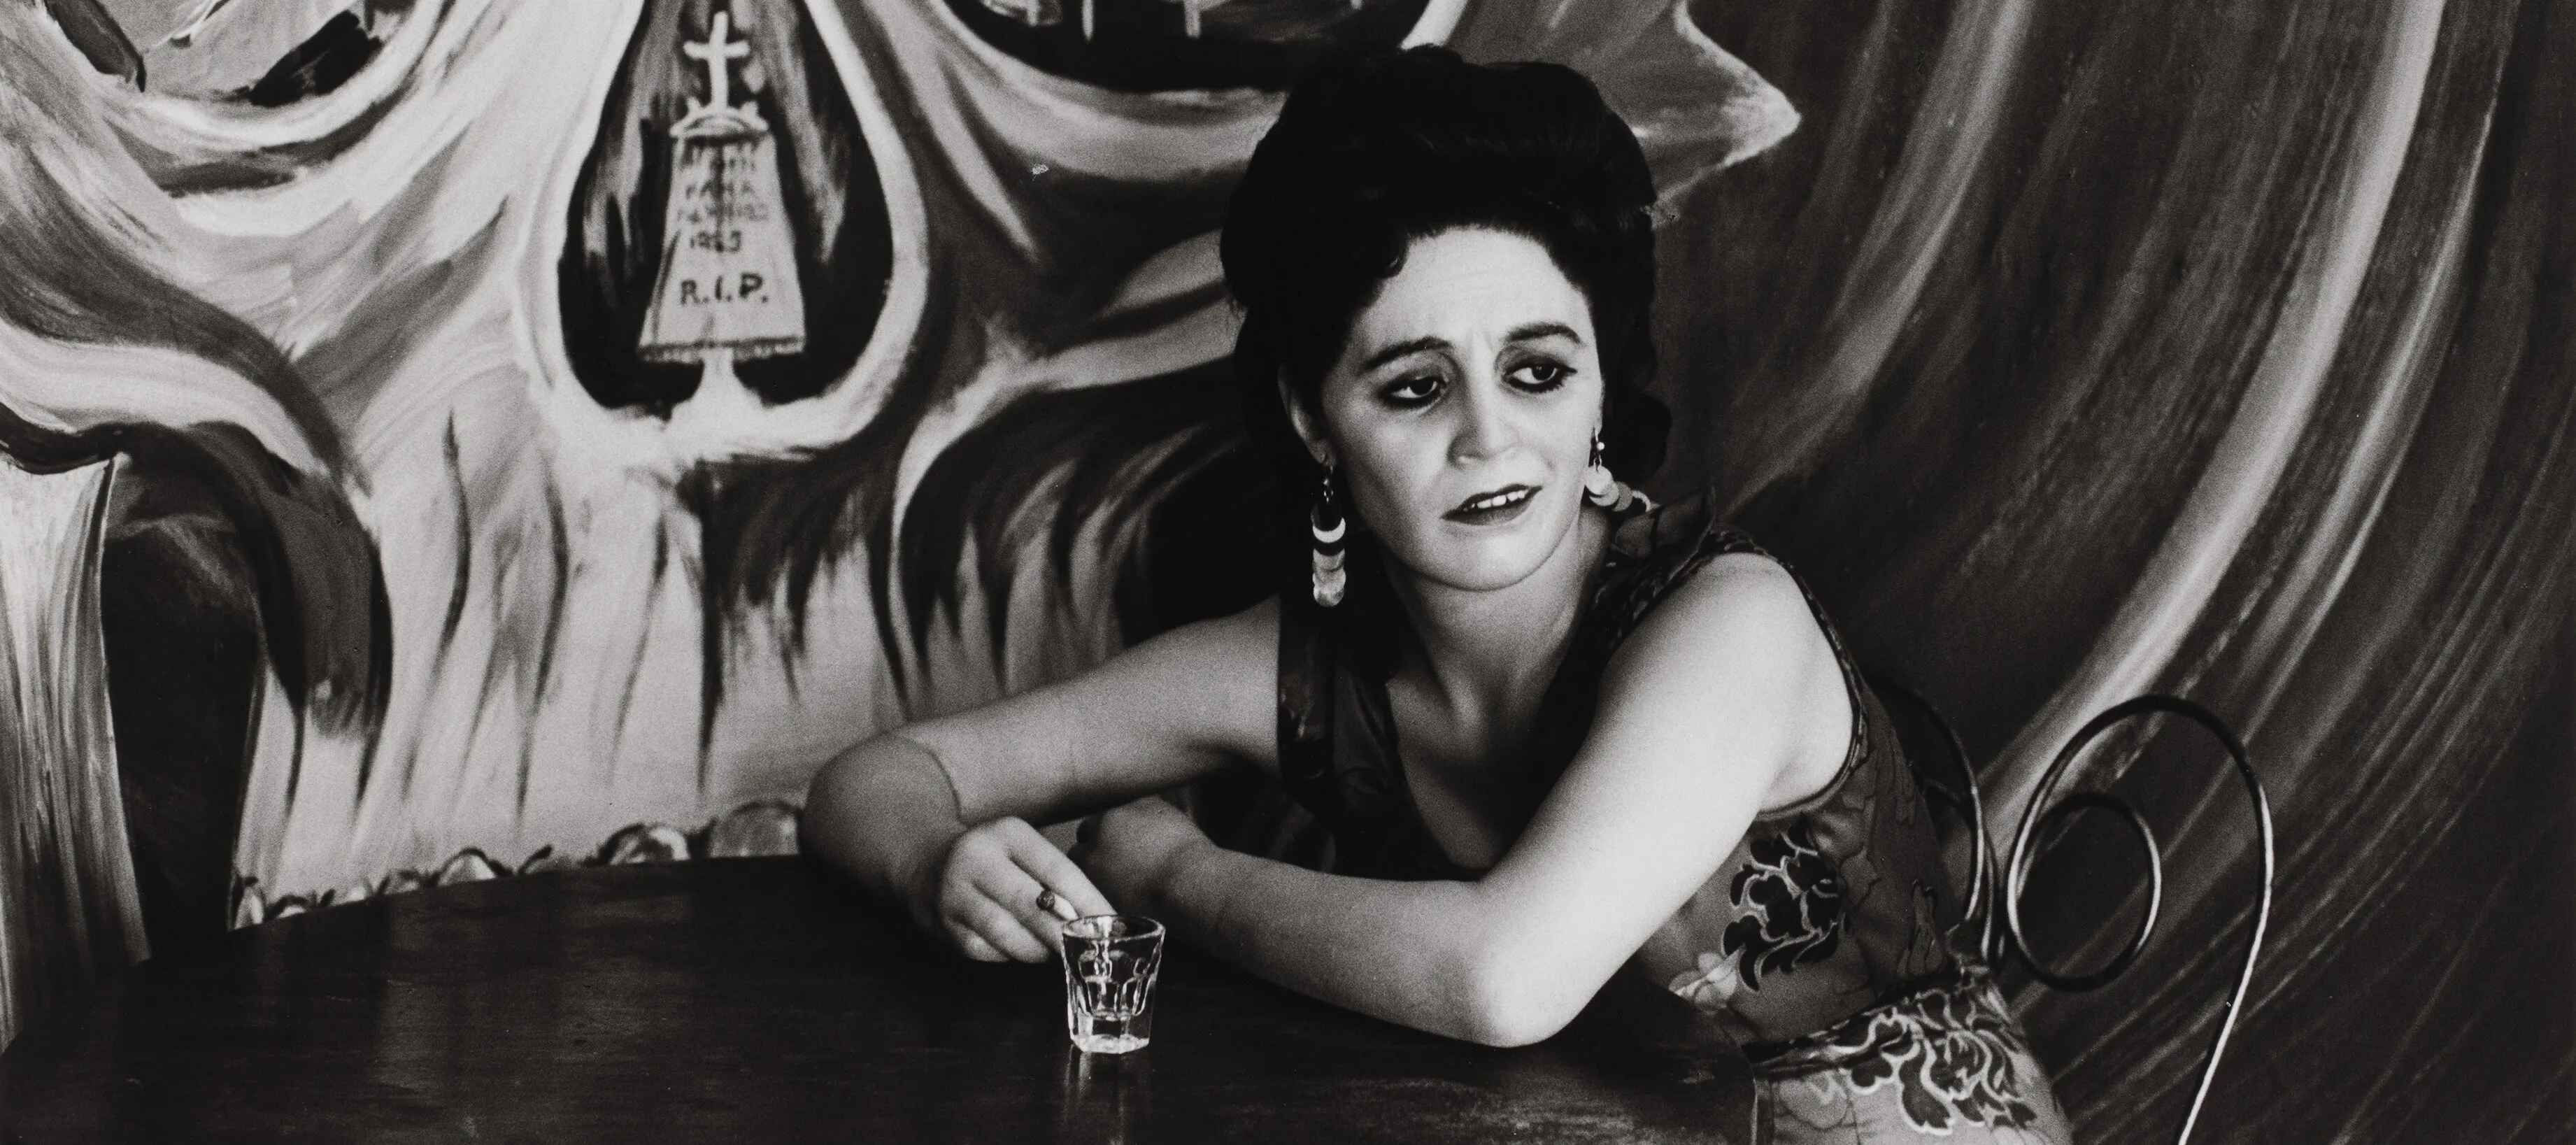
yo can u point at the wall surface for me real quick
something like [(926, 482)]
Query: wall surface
[(2070, 350)]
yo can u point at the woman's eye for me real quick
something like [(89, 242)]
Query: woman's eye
[(1412, 391), (1541, 376)]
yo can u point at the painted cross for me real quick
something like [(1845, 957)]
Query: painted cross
[(718, 53)]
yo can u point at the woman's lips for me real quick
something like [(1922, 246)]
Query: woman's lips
[(1494, 507)]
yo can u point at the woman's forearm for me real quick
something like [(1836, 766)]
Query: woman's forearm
[(882, 812), (1413, 953)]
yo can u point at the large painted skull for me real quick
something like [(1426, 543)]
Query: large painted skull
[(607, 595)]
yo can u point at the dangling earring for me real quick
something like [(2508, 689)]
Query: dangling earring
[(1331, 531), (1607, 491)]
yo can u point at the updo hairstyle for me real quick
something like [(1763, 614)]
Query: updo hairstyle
[(1369, 155)]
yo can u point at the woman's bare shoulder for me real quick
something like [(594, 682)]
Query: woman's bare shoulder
[(1253, 631), (1746, 602), (1737, 642), (1168, 710), (1236, 648), (1216, 677)]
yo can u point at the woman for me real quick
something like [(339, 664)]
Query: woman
[(1550, 729)]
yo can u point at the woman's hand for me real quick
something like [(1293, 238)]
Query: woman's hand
[(986, 896), (1133, 850)]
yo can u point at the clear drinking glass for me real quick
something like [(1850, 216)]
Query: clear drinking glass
[(1110, 961)]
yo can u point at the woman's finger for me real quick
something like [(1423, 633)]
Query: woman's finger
[(1016, 892), (971, 944), (981, 871), (1031, 851), (1002, 929)]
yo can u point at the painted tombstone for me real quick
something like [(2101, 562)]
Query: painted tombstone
[(728, 287)]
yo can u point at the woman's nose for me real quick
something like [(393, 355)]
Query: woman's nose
[(1484, 427)]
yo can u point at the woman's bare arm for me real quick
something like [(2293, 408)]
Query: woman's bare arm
[(1726, 700), (937, 815)]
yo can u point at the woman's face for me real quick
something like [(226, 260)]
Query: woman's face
[(1462, 409)]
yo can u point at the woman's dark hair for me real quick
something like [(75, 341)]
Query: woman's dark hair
[(1371, 154)]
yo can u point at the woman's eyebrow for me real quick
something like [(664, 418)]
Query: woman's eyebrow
[(1400, 349), (1533, 330)]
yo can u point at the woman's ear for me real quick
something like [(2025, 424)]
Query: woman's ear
[(1309, 428)]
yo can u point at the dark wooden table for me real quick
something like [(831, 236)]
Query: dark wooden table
[(765, 1000)]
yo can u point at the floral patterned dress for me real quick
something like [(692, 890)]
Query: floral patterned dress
[(1822, 945)]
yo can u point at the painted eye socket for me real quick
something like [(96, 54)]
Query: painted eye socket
[(614, 255)]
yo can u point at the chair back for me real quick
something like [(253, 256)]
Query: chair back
[(1949, 780), (68, 907)]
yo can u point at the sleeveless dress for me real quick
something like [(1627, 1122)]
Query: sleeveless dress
[(1822, 944)]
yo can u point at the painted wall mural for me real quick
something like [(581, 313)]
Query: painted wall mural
[(547, 431), (620, 378)]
